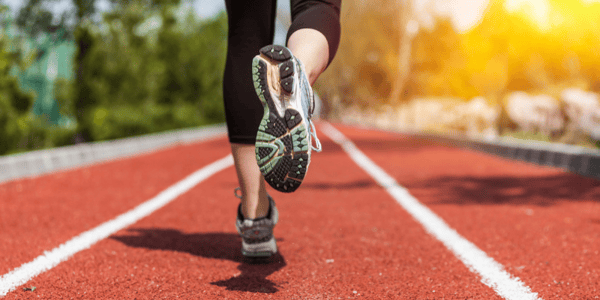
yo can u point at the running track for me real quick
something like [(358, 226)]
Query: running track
[(343, 235)]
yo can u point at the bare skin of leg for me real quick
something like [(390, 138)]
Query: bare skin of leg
[(311, 48), (255, 203)]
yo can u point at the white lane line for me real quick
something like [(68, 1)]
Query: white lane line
[(492, 273), (50, 259)]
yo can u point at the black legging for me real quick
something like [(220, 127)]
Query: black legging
[(251, 27)]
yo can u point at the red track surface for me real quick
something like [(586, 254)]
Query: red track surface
[(340, 235)]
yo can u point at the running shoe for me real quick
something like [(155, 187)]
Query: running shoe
[(284, 138), (257, 234)]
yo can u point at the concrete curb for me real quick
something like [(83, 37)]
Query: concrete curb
[(35, 163), (576, 159)]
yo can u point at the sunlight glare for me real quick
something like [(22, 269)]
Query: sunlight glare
[(537, 10), (464, 13)]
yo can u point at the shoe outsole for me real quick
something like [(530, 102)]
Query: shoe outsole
[(282, 142), (264, 250)]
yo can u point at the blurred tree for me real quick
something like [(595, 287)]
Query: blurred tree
[(14, 103), (84, 9), (365, 70), (82, 91), (152, 4), (438, 64), (407, 28), (145, 68), (33, 18), (508, 50), (505, 51), (83, 95)]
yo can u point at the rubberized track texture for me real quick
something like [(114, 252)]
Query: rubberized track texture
[(343, 235)]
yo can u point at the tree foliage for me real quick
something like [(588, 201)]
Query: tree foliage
[(35, 19), (146, 66), (84, 9), (147, 69), (366, 64), (507, 51), (14, 103)]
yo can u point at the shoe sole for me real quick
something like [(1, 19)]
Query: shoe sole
[(260, 250), (282, 143)]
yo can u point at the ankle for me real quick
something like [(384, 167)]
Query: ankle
[(255, 209)]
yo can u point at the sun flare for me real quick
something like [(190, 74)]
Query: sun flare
[(537, 10)]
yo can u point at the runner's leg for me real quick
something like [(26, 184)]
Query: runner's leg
[(314, 35), (251, 26)]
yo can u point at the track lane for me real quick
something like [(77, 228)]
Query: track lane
[(38, 214), (540, 223), (492, 274), (340, 233)]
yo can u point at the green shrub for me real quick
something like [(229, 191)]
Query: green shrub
[(142, 70)]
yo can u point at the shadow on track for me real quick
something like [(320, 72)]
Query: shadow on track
[(254, 273), (538, 190), (358, 184)]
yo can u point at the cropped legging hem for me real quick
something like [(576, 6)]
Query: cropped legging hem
[(245, 140)]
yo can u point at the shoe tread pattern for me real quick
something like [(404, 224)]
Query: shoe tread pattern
[(286, 68), (284, 169), (289, 171), (276, 52)]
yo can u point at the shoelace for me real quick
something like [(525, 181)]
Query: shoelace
[(309, 109), (313, 133)]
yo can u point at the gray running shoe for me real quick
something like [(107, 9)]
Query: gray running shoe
[(257, 234), (284, 138)]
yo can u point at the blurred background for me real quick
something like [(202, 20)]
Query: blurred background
[(75, 71)]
